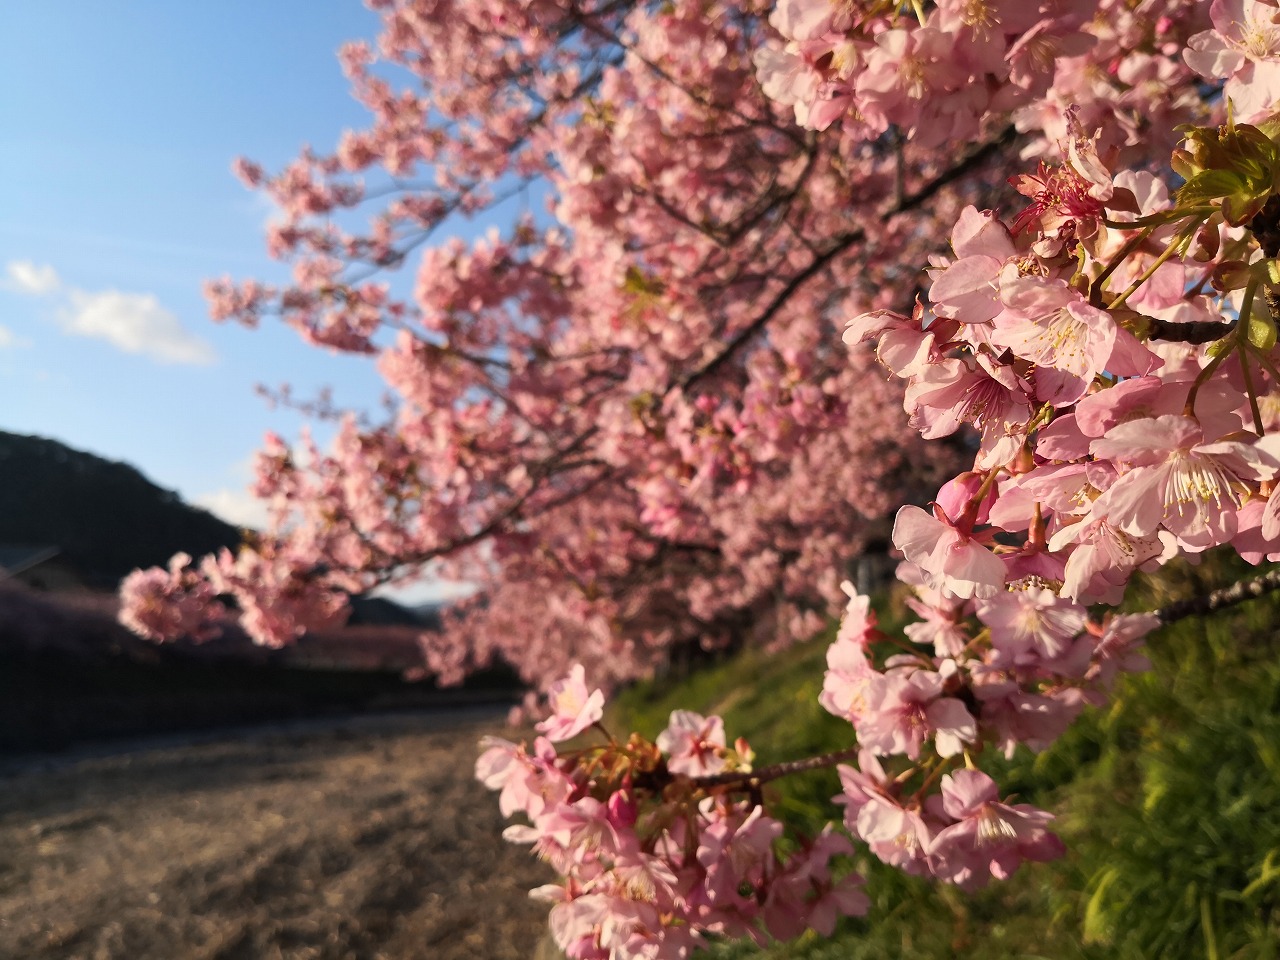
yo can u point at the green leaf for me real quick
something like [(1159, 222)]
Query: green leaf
[(1270, 873), (1262, 330), (1210, 185), (1097, 925)]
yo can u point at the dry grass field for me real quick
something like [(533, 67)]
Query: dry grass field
[(362, 839)]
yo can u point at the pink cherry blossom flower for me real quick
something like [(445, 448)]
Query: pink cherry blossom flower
[(694, 744), (902, 343), (950, 559), (528, 784), (582, 826), (573, 707), (975, 390), (849, 671), (969, 290), (1104, 558), (1119, 649), (1013, 717), (990, 838), (939, 626), (903, 69), (1051, 324), (898, 836), (1031, 621), (905, 711), (805, 895), (1244, 49), (1173, 478), (734, 851), (847, 681), (807, 19)]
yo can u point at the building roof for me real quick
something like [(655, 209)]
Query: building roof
[(16, 559)]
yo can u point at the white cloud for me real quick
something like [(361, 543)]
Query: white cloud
[(135, 323), (9, 339), (132, 322), (32, 279), (426, 591), (235, 506)]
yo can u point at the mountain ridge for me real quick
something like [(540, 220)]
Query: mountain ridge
[(105, 516)]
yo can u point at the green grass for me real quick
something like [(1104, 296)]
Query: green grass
[(1168, 799)]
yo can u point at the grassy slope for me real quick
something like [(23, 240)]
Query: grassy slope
[(1168, 800)]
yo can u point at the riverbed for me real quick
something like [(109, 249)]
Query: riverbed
[(364, 838)]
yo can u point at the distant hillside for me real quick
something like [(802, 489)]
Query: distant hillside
[(106, 517)]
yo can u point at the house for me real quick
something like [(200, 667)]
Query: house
[(38, 567)]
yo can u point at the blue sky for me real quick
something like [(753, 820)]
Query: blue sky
[(118, 125)]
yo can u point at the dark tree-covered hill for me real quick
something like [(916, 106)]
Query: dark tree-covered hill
[(106, 517)]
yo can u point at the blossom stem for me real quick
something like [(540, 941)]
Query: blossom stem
[(1174, 245), (1242, 346), (967, 519), (753, 779), (1095, 289), (1157, 219), (1189, 409), (1249, 390), (1036, 532), (599, 725)]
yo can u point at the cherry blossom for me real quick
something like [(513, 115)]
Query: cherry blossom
[(694, 744), (573, 707), (1244, 48)]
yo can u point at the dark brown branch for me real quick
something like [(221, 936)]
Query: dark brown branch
[(842, 243), (1222, 598), (1197, 331), (754, 778)]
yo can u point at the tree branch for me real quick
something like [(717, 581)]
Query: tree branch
[(1197, 331), (1220, 599), (754, 778), (908, 202)]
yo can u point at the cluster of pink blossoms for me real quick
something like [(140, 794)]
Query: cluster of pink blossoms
[(627, 423), (161, 603), (631, 427), (662, 843), (1111, 437), (1114, 349), (939, 71), (1115, 353), (1014, 669)]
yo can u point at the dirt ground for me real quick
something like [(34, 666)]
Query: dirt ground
[(363, 839)]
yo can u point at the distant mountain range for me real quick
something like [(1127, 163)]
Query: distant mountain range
[(105, 517)]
